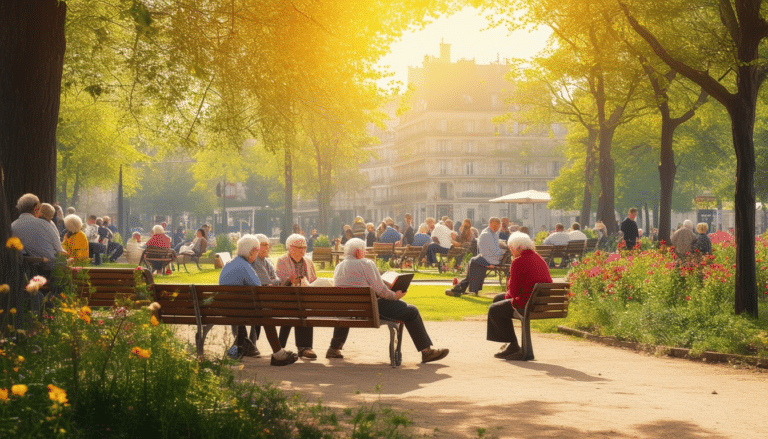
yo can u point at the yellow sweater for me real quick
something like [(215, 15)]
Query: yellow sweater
[(76, 245)]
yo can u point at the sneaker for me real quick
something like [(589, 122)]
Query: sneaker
[(507, 350), (333, 353), (233, 353), (307, 353), (433, 355), (290, 358)]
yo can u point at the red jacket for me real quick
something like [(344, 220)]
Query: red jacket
[(160, 240), (525, 271)]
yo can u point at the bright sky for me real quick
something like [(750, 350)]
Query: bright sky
[(464, 32)]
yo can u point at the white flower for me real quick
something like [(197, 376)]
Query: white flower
[(35, 284)]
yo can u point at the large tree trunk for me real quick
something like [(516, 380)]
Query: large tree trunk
[(288, 199), (667, 171), (743, 120), (606, 210), (31, 62), (589, 179)]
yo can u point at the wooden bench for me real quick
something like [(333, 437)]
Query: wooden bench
[(384, 249), (455, 254), (193, 257), (574, 250), (545, 251), (322, 255), (558, 251), (208, 305), (165, 256), (101, 287), (502, 269), (409, 253), (547, 301), (591, 245)]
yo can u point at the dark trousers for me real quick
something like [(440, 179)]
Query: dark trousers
[(95, 249), (394, 310), (245, 343), (303, 336), (475, 275), (114, 250), (432, 250), (500, 327), (255, 331)]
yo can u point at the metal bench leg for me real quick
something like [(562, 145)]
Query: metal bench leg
[(526, 348), (200, 336), (392, 335)]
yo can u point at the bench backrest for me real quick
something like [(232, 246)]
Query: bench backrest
[(411, 252), (575, 247), (384, 248), (177, 305), (591, 245), (558, 251), (101, 286), (157, 254), (548, 301), (322, 254), (287, 306)]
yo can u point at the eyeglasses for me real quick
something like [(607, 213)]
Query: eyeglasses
[(299, 247)]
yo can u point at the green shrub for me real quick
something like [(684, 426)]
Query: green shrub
[(650, 296), (223, 244), (541, 236), (322, 241)]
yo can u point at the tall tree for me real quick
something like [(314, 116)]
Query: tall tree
[(743, 28)]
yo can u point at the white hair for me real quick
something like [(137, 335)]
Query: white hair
[(158, 230), (262, 238), (73, 223), (352, 246), (246, 244), (520, 241), (293, 238), (688, 224)]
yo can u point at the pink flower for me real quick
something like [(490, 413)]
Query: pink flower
[(687, 297), (34, 285), (613, 257)]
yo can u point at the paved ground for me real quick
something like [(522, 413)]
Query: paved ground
[(573, 389)]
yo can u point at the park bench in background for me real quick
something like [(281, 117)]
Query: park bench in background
[(574, 250), (502, 269), (591, 245), (384, 249), (558, 252), (193, 257), (322, 255), (102, 286), (409, 253), (548, 301), (455, 254), (545, 251), (165, 256)]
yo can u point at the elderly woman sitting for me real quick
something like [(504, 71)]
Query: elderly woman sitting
[(240, 272), (75, 243), (293, 268), (159, 240), (526, 270), (358, 271)]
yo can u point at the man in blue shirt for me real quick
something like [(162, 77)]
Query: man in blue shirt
[(489, 253), (388, 237), (240, 272)]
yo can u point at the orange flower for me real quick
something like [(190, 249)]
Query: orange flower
[(141, 353), (3, 394), (154, 321), (19, 389), (12, 311), (4, 288), (57, 394), (14, 243)]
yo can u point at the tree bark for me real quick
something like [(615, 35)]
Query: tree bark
[(31, 61), (589, 178), (606, 170), (667, 171), (288, 199)]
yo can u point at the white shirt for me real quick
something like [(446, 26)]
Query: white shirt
[(577, 235), (443, 235), (557, 238), (353, 272)]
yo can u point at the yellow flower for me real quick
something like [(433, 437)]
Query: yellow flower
[(86, 309), (12, 311), (57, 394), (19, 389), (3, 394), (20, 359), (154, 321), (4, 288), (141, 353), (14, 243), (85, 314)]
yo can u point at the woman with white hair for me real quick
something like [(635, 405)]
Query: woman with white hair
[(75, 243), (358, 271), (240, 272), (293, 268), (526, 270), (159, 240)]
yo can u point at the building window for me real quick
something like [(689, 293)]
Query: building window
[(500, 169), (555, 168), (526, 169), (443, 167), (442, 125), (444, 191), (471, 146), (443, 145), (469, 126), (470, 168)]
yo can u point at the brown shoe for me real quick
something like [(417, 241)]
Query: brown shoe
[(307, 353), (507, 351), (333, 353), (433, 355), (290, 358)]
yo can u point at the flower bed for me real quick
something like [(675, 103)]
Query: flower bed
[(649, 296)]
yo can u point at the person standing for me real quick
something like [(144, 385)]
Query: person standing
[(629, 229), (408, 232)]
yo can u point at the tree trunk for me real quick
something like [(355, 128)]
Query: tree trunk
[(667, 171), (743, 120), (589, 179), (288, 200), (31, 61), (606, 210)]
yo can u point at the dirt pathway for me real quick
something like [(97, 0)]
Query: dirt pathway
[(574, 388)]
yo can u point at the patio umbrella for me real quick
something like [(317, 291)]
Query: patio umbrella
[(531, 197)]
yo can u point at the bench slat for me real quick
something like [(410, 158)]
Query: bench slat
[(285, 313), (288, 321), (548, 315)]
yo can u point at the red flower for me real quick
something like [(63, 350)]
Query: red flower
[(687, 297)]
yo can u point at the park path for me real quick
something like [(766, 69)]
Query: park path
[(573, 389)]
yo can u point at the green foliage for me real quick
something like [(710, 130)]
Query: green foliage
[(541, 236), (649, 296), (322, 241), (118, 239), (223, 244)]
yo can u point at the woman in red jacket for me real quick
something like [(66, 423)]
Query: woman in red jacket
[(526, 270)]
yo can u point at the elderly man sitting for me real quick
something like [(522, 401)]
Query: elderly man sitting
[(444, 238), (240, 272), (38, 237), (489, 253), (526, 270), (358, 271)]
